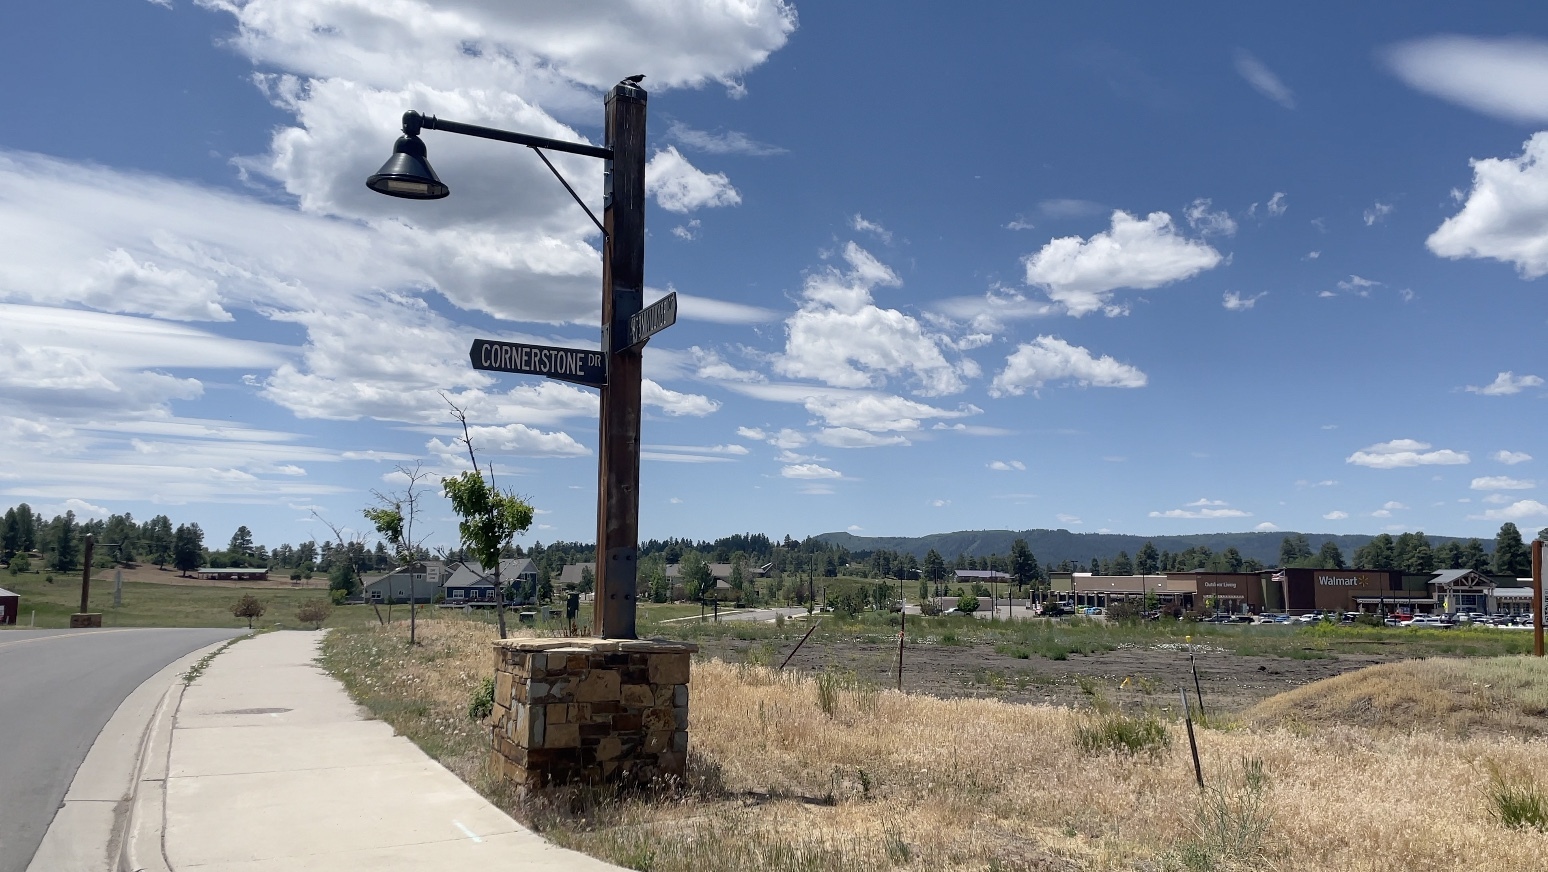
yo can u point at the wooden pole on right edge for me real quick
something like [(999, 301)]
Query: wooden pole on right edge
[(1537, 597)]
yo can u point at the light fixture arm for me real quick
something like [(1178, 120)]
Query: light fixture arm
[(413, 122)]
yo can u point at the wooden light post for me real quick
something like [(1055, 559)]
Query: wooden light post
[(626, 323), (623, 296)]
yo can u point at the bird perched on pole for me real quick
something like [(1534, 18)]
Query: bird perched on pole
[(631, 80)]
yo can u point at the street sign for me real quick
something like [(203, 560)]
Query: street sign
[(653, 319), (566, 364)]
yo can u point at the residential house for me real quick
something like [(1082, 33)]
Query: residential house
[(570, 575), (471, 584), (422, 581)]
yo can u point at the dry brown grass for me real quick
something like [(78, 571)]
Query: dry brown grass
[(1505, 696), (896, 781)]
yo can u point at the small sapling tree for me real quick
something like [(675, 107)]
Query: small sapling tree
[(490, 517), (394, 516), (249, 607)]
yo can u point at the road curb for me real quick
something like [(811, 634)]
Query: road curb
[(140, 849)]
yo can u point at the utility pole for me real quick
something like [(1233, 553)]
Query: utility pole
[(623, 295)]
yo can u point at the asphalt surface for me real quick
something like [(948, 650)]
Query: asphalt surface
[(57, 690)]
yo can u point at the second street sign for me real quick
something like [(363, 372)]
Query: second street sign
[(653, 319), (566, 364)]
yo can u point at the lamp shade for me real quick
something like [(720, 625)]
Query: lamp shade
[(407, 173)]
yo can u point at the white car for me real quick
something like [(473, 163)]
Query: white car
[(1430, 621)]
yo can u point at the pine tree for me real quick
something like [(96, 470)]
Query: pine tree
[(1147, 562), (1122, 565), (1293, 549), (1023, 564), (67, 549), (1511, 556), (187, 548), (1330, 557)]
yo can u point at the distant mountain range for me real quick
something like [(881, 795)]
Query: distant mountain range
[(1056, 546)]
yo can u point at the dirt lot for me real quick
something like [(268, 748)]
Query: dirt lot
[(1230, 682)]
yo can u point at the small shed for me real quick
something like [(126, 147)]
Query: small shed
[(10, 605)]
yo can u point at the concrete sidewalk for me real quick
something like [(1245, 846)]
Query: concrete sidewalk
[(268, 765)]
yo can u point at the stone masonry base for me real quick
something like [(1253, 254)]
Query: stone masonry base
[(589, 711)]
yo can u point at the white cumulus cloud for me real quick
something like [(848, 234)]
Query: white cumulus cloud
[(1405, 452), (1082, 274), (1335, 515), (841, 337), (1007, 465), (1049, 359), (1501, 482), (1517, 511), (1511, 458), (809, 471), (679, 186), (1507, 383), (1505, 215)]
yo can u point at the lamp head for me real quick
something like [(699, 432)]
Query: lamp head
[(407, 173)]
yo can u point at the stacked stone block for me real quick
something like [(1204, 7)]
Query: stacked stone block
[(590, 711)]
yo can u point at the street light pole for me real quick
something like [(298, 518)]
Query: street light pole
[(625, 328), (623, 289)]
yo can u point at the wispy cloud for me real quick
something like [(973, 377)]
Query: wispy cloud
[(1263, 80), (720, 142), (1237, 303)]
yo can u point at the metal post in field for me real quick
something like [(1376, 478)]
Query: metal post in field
[(1537, 597), (1193, 744)]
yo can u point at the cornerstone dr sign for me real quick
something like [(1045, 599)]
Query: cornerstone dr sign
[(566, 364)]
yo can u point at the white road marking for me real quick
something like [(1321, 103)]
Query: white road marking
[(466, 832)]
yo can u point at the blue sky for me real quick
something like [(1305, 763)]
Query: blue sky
[(1109, 268)]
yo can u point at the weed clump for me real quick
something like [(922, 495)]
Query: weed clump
[(481, 703), (1516, 801), (1107, 730), (1231, 822)]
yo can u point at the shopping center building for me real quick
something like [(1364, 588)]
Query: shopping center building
[(1299, 591)]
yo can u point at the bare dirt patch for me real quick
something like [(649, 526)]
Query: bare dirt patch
[(1231, 682)]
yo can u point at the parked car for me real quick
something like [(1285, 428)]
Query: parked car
[(1434, 622)]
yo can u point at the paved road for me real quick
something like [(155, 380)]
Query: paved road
[(57, 689)]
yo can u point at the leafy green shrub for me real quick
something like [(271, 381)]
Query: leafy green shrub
[(1516, 801), (481, 703), (314, 612), (967, 604)]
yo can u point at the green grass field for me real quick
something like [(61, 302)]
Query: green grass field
[(164, 605)]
